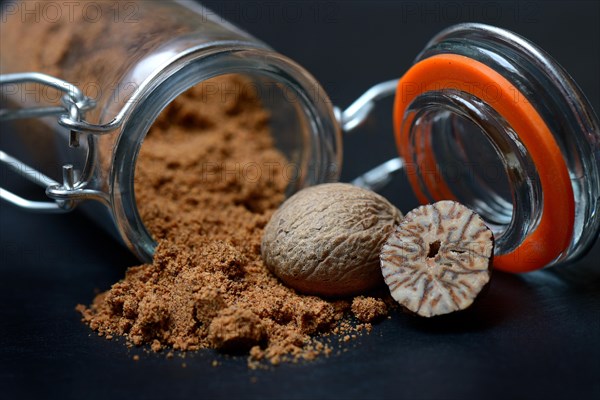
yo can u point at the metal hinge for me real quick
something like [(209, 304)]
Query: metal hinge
[(70, 115), (356, 114)]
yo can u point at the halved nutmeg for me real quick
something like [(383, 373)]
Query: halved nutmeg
[(438, 259)]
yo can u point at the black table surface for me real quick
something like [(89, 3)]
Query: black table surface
[(533, 336)]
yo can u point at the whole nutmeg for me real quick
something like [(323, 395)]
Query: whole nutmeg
[(326, 239)]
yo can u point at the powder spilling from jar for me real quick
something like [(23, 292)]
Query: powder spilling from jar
[(207, 286), (208, 179)]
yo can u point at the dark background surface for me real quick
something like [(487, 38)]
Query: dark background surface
[(532, 336)]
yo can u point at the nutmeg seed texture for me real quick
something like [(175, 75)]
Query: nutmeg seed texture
[(326, 239)]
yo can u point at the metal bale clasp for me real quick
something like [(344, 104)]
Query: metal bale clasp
[(354, 116), (74, 106)]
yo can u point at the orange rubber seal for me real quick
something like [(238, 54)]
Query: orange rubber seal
[(449, 71)]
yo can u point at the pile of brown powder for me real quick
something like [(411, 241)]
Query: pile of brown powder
[(208, 179)]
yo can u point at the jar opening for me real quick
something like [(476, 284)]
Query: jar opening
[(234, 138), (464, 150), (296, 111)]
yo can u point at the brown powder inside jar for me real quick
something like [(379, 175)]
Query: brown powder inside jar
[(207, 285)]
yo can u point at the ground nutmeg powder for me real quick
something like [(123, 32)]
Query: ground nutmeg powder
[(207, 286)]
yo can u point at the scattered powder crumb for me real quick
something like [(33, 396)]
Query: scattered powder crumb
[(368, 309), (136, 358), (235, 330), (156, 346), (207, 286)]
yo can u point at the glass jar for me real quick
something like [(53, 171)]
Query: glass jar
[(486, 118), (515, 139), (133, 61)]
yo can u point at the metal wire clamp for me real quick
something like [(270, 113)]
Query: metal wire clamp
[(74, 104)]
